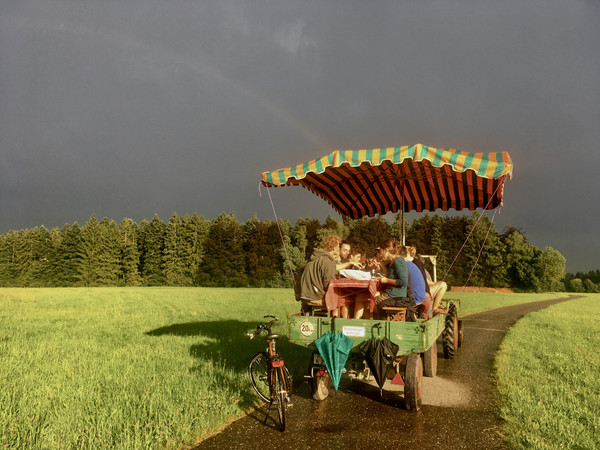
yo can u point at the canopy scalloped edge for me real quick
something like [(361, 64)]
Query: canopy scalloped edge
[(487, 165)]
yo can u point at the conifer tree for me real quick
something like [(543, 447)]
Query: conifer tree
[(299, 237), (40, 257), (199, 228), (176, 253), (262, 253), (152, 237), (130, 256), (224, 260), (453, 236), (291, 259), (250, 225), (110, 254), (99, 252), (369, 232), (90, 248), (67, 257), (8, 258), (420, 232), (332, 226), (486, 263), (395, 230), (312, 236)]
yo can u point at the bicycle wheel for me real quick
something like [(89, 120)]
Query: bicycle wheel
[(288, 382), (280, 395), (259, 376)]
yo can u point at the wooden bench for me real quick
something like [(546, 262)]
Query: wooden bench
[(315, 308), (394, 313)]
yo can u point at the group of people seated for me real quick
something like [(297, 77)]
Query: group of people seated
[(403, 279)]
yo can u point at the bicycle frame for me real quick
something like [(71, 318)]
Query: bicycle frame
[(274, 373), (276, 362)]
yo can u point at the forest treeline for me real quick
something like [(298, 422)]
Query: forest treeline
[(194, 251)]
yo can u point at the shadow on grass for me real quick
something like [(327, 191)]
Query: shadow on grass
[(226, 343)]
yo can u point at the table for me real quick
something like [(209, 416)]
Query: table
[(342, 290)]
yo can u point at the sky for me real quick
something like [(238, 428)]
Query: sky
[(142, 107)]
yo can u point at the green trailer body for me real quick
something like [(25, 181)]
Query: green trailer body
[(411, 337), (417, 348)]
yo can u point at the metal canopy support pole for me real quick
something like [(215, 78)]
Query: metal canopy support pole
[(433, 259), (403, 230), (402, 208)]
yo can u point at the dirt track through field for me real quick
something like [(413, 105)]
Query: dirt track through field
[(458, 404)]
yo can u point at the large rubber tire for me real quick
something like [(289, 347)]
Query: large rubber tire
[(259, 376), (280, 395), (461, 333), (319, 388), (450, 333), (430, 361), (413, 378)]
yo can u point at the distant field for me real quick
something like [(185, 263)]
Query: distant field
[(139, 367), (548, 377), (473, 302)]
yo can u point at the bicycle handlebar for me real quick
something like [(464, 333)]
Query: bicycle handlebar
[(261, 327)]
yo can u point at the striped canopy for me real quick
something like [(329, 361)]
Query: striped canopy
[(360, 183)]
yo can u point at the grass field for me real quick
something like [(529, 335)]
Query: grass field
[(138, 367), (548, 371), (474, 302)]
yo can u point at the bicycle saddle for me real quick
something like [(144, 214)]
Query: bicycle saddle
[(274, 337)]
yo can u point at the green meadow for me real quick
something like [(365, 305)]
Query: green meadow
[(548, 371), (140, 367)]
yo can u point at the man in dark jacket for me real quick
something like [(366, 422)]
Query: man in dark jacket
[(319, 271)]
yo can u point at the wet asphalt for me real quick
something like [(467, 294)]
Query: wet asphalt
[(458, 404)]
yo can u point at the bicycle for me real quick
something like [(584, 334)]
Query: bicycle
[(269, 376)]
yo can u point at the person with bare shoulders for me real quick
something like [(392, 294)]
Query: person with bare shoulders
[(436, 290)]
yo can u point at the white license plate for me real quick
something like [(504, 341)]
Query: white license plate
[(317, 360)]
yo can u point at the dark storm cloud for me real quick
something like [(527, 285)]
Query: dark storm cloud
[(127, 109)]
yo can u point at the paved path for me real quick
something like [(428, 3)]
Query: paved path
[(458, 404)]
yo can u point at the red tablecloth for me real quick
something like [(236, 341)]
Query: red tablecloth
[(342, 291)]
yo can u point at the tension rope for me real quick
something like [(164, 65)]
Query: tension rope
[(287, 256)]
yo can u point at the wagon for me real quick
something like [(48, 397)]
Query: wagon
[(367, 182), (416, 356)]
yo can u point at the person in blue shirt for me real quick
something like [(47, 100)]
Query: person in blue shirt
[(419, 283)]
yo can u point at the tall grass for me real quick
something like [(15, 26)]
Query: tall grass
[(126, 368), (135, 367), (548, 371)]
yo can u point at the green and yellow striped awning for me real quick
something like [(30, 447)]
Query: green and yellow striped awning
[(367, 182)]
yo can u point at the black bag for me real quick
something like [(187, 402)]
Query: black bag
[(403, 302)]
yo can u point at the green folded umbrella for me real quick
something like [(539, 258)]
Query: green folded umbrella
[(334, 348)]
